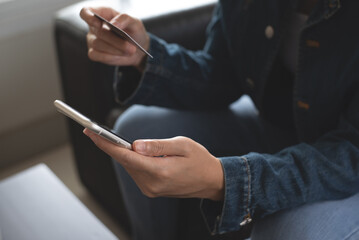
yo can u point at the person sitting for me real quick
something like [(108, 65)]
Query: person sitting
[(288, 163)]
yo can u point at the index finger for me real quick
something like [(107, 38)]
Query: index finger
[(88, 16), (127, 158)]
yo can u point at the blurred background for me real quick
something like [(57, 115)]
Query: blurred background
[(29, 79)]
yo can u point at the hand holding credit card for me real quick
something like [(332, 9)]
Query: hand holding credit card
[(122, 34)]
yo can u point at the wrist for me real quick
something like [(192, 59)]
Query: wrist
[(218, 183), (141, 64)]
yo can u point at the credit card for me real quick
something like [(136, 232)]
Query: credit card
[(123, 35)]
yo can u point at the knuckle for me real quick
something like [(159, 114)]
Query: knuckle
[(89, 39), (153, 190), (157, 189), (181, 138), (124, 16), (130, 48), (95, 43), (138, 24), (101, 33), (149, 192), (121, 46), (112, 62), (163, 174), (150, 195), (185, 142), (92, 54), (189, 145), (145, 192)]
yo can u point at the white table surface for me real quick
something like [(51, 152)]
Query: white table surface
[(35, 204)]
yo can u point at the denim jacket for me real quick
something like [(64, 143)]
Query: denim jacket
[(243, 40)]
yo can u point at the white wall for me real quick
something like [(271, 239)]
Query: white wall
[(29, 80)]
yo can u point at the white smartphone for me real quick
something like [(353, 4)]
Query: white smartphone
[(94, 127)]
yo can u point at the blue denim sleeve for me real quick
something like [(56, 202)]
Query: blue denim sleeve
[(180, 78), (234, 211), (260, 184)]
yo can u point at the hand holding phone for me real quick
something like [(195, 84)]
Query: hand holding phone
[(94, 127)]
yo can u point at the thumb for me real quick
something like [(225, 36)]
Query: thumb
[(122, 21), (168, 147), (125, 23)]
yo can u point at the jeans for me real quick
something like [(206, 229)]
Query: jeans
[(235, 131), (329, 220)]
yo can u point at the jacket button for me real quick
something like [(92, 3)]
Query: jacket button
[(250, 83), (312, 43), (303, 105), (269, 32)]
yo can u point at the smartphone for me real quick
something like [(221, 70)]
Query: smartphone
[(122, 34), (91, 125)]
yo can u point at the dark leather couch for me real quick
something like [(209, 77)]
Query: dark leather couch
[(87, 86)]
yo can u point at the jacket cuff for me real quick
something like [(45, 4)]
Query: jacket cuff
[(234, 212), (130, 88)]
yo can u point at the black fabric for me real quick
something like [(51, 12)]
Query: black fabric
[(126, 88), (277, 101)]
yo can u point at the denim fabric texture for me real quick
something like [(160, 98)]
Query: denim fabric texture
[(328, 220), (237, 60)]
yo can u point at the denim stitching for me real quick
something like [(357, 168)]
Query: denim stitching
[(247, 218)]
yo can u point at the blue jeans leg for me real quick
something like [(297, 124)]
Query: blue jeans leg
[(329, 220), (235, 131)]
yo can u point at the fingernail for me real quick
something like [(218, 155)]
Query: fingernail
[(91, 12), (140, 146), (85, 132)]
